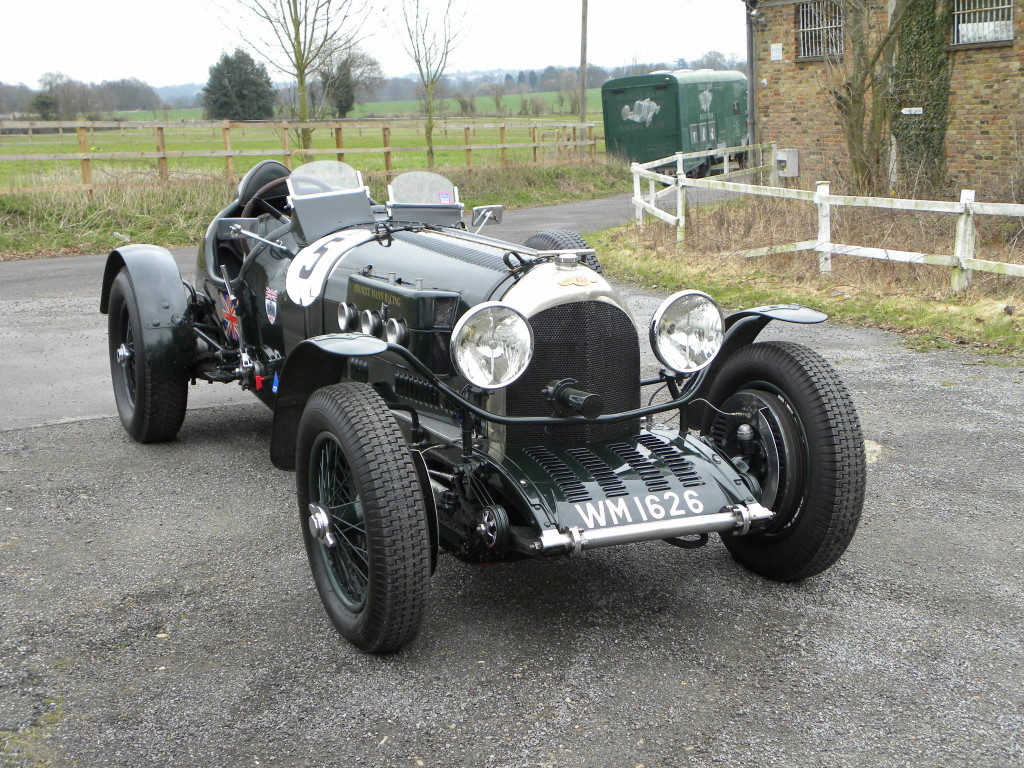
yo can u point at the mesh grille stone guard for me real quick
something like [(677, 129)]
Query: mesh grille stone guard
[(593, 342)]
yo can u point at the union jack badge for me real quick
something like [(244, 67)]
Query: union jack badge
[(271, 305), (229, 315)]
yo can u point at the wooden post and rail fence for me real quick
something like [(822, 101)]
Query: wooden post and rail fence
[(962, 261), (564, 140)]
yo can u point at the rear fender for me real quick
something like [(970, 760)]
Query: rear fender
[(163, 307)]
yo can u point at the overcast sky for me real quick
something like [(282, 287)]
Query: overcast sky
[(171, 43)]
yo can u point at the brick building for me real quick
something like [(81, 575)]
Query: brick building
[(795, 48)]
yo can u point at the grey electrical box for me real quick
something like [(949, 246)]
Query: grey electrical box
[(788, 162)]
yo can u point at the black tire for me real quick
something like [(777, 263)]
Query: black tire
[(151, 395), (802, 414), (352, 460), (562, 239)]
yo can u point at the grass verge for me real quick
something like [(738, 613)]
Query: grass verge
[(915, 300), (176, 214)]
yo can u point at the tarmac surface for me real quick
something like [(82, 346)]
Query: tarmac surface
[(156, 608)]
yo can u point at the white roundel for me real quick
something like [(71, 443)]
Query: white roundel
[(308, 271)]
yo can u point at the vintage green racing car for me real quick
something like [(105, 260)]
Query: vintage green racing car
[(437, 389)]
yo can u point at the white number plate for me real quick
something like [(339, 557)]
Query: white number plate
[(639, 509)]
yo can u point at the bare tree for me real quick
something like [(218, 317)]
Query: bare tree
[(308, 34), (497, 91), (861, 87), (430, 35)]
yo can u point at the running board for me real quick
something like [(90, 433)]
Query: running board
[(737, 519)]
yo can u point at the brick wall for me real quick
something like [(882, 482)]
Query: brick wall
[(986, 105), (987, 113), (792, 108)]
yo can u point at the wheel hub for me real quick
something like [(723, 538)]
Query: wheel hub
[(764, 420), (125, 355), (320, 525)]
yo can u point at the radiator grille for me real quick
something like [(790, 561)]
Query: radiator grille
[(592, 342)]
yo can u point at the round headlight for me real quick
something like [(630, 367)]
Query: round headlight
[(687, 331), (491, 345)]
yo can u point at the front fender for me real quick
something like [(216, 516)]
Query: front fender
[(163, 307), (313, 363), (741, 329)]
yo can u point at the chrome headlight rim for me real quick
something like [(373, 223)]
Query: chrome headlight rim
[(465, 320), (660, 314)]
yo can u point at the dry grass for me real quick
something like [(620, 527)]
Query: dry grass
[(915, 299), (131, 209)]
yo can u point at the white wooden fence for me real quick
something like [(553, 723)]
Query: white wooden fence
[(962, 260)]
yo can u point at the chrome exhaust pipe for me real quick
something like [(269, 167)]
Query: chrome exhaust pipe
[(737, 519)]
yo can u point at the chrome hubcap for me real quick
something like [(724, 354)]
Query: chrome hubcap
[(124, 355), (320, 525)]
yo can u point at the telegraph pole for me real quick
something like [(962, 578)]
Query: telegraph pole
[(583, 66)]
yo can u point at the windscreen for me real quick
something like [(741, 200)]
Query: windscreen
[(422, 188), (324, 176)]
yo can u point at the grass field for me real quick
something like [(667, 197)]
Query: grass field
[(363, 142), (449, 108)]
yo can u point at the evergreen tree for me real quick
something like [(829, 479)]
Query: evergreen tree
[(239, 89)]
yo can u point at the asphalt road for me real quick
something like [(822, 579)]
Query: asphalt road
[(156, 608)]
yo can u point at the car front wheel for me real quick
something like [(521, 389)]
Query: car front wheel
[(782, 410), (363, 517)]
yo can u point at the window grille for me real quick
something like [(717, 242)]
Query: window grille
[(821, 29), (982, 21)]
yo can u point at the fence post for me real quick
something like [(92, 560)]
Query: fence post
[(593, 143), (773, 165), (339, 141), (387, 152), (286, 145), (533, 138), (635, 169), (229, 161), (504, 150), (824, 246), (161, 147), (469, 151), (83, 147), (680, 199), (965, 237)]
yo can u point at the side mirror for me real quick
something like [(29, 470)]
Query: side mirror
[(483, 214)]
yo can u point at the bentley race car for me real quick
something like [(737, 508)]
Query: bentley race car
[(437, 389)]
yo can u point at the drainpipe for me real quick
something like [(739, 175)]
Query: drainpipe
[(752, 84)]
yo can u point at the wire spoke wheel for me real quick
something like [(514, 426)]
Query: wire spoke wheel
[(332, 487), (363, 517)]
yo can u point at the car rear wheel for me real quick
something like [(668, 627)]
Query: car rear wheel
[(363, 517), (151, 393), (805, 452), (560, 240)]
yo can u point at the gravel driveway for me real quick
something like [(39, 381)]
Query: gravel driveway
[(156, 608)]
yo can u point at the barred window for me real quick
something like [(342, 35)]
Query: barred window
[(821, 29), (982, 21)]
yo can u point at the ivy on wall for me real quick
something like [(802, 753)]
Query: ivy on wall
[(920, 78)]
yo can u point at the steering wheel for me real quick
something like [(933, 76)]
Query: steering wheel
[(259, 199)]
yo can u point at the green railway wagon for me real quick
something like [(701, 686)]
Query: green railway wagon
[(651, 116)]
